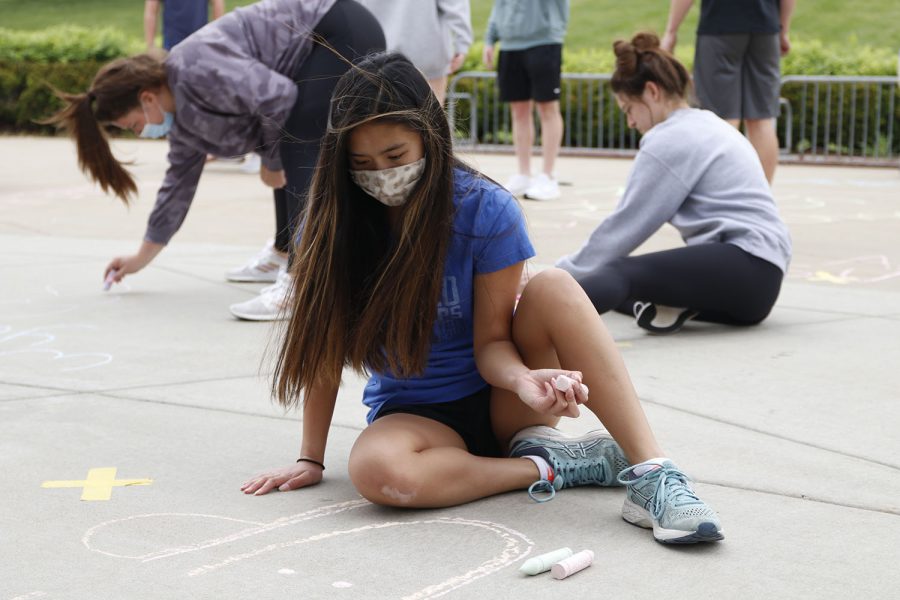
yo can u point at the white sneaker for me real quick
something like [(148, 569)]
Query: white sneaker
[(271, 304), (542, 188), (518, 183), (251, 164), (263, 267)]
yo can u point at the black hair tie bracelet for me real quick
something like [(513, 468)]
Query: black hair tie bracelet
[(309, 460)]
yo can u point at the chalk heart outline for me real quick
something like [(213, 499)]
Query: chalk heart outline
[(516, 545)]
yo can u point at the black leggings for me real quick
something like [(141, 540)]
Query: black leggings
[(353, 32), (723, 282)]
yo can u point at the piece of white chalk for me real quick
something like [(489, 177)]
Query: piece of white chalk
[(110, 279), (542, 563), (573, 564), (563, 383)]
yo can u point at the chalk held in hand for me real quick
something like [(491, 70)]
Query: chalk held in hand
[(542, 563), (573, 564), (563, 383), (110, 279)]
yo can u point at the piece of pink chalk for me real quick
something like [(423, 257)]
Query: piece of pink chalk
[(569, 566), (563, 383)]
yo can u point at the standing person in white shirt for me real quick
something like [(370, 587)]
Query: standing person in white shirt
[(434, 34)]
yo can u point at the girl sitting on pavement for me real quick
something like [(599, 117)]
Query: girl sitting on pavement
[(408, 268), (699, 174)]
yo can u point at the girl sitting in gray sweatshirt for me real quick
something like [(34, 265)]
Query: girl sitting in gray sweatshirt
[(702, 176)]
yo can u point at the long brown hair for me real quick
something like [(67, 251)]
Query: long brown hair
[(114, 92), (642, 60), (364, 296)]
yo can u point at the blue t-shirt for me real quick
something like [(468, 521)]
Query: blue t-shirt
[(488, 235), (181, 18)]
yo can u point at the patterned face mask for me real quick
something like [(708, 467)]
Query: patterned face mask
[(391, 187)]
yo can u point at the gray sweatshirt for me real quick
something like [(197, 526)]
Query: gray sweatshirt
[(698, 173), (428, 32), (233, 86)]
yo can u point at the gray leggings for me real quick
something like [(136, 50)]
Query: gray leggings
[(723, 282)]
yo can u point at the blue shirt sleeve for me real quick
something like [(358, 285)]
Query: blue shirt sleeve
[(500, 231)]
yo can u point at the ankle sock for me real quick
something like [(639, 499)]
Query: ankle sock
[(543, 466), (647, 466)]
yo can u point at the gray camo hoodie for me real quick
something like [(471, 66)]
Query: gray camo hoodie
[(233, 86)]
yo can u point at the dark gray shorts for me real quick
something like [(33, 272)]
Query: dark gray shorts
[(738, 75)]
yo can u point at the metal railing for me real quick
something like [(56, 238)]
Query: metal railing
[(824, 119)]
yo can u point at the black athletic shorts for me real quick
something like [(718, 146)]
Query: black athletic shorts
[(470, 417), (531, 74)]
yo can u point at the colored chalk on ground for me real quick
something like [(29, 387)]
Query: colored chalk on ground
[(573, 564), (563, 383), (542, 563)]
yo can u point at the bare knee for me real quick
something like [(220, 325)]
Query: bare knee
[(554, 286), (381, 479)]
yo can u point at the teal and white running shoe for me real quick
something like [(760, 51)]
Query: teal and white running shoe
[(591, 459), (662, 498)]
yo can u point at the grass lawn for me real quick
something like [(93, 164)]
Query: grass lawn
[(593, 23)]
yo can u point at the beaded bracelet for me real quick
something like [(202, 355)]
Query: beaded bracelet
[(310, 460)]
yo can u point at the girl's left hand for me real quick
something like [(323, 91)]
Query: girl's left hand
[(537, 390), (273, 179)]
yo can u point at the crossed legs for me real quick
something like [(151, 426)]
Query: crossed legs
[(408, 460)]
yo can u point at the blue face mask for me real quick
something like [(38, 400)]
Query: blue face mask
[(157, 130)]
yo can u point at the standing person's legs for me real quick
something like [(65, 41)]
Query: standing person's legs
[(515, 88), (544, 65), (718, 74), (282, 243), (351, 31), (439, 87), (761, 88), (348, 31), (764, 137), (523, 133), (721, 281), (551, 133)]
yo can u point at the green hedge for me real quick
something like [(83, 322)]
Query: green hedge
[(68, 57)]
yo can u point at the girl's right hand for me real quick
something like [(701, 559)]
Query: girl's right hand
[(297, 475), (123, 265)]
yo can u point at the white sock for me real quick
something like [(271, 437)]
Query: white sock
[(647, 466), (543, 466)]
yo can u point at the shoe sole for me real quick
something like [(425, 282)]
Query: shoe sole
[(249, 317), (540, 198), (636, 515), (250, 279), (648, 313)]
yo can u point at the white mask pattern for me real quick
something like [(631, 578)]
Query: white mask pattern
[(392, 186)]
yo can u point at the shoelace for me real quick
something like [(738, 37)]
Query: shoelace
[(671, 488), (576, 472)]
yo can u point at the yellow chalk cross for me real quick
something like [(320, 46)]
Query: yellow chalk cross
[(98, 485)]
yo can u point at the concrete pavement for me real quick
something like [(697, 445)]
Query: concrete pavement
[(791, 429)]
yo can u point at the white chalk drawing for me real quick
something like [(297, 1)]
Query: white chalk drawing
[(515, 545), (875, 268), (10, 341), (37, 339), (31, 596)]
